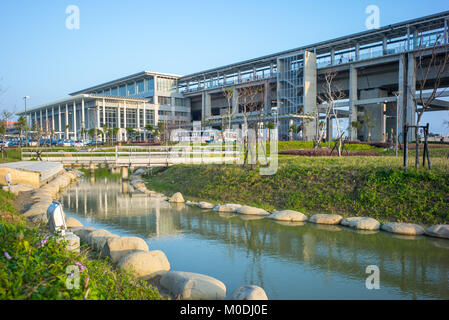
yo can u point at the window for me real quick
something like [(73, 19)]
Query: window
[(165, 85), (131, 89), (180, 102), (140, 87), (164, 100), (107, 92), (114, 91), (122, 91), (150, 85)]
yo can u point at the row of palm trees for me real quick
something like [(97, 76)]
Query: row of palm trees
[(94, 133)]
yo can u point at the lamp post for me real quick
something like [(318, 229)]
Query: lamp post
[(397, 94), (26, 118)]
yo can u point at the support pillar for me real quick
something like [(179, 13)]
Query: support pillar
[(125, 173), (74, 120), (352, 100), (66, 121), (410, 111), (59, 122)]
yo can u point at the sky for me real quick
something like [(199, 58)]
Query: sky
[(43, 59)]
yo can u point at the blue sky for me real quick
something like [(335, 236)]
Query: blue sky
[(41, 58)]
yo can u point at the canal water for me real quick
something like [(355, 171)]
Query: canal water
[(290, 261)]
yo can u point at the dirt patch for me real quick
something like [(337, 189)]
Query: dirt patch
[(326, 152), (23, 201)]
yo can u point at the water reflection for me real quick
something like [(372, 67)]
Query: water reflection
[(291, 261)]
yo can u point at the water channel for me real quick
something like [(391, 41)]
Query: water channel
[(290, 261)]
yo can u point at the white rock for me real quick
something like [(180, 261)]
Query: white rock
[(39, 218), (325, 218), (439, 231), (347, 221), (73, 241), (116, 248), (17, 188), (409, 229), (228, 207), (193, 286), (361, 223), (145, 264), (250, 292), (73, 223), (97, 238), (83, 232), (252, 211), (205, 205), (140, 171), (177, 197), (288, 215)]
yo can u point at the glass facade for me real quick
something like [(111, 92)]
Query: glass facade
[(114, 91), (140, 86), (165, 85), (122, 91), (131, 89), (164, 100)]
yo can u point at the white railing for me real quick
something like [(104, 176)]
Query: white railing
[(162, 155)]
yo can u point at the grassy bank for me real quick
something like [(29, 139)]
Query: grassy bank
[(376, 187), (32, 268)]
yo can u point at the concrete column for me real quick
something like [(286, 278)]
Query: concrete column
[(384, 45), (402, 91), (104, 112), (124, 115), (410, 112), (47, 127), (332, 56), (97, 122), (59, 122), (156, 115), (352, 100), (119, 115), (83, 118), (208, 105), (138, 117), (329, 129), (310, 93), (235, 101), (446, 40), (40, 120), (267, 94), (125, 173), (408, 39), (144, 114), (74, 120), (53, 118), (66, 120), (357, 51), (415, 40)]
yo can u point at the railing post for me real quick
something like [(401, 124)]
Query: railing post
[(405, 146)]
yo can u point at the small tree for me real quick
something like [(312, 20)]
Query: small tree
[(130, 132), (150, 129), (332, 93), (431, 64), (21, 126), (369, 122)]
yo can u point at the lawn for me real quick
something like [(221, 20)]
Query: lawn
[(377, 187)]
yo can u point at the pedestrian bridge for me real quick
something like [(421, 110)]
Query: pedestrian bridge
[(137, 156)]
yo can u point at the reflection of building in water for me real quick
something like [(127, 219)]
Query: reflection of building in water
[(104, 200), (412, 266)]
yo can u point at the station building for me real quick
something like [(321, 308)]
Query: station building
[(375, 70)]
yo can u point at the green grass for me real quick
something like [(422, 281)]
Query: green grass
[(376, 187), (39, 273), (11, 155)]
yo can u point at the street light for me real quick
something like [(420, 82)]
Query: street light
[(397, 94), (26, 118)]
